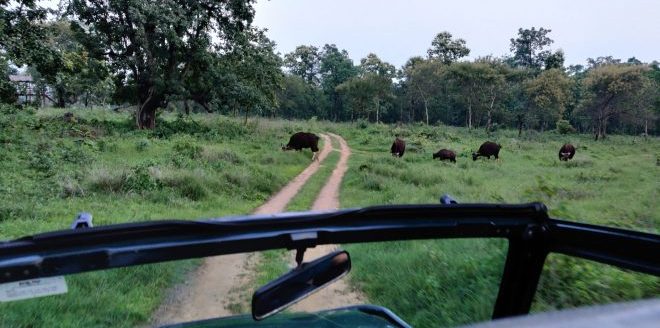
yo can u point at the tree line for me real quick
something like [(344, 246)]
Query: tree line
[(193, 55)]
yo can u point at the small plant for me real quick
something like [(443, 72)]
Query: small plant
[(107, 146), (142, 145)]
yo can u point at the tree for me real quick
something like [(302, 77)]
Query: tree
[(424, 79), (364, 93), (378, 76), (481, 84), (607, 89), (446, 50), (258, 69), (246, 78), (335, 68), (81, 76), (304, 62), (151, 44), (298, 99), (7, 89), (374, 65), (23, 36), (529, 48), (554, 60), (548, 95), (602, 61)]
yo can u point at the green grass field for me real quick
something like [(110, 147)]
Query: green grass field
[(444, 283), (211, 165), (186, 169)]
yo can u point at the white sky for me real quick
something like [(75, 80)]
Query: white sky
[(396, 30)]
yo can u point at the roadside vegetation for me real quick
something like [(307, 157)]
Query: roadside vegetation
[(52, 167)]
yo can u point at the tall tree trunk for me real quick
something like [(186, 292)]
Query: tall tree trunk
[(377, 110), (469, 113), (186, 108), (146, 114), (520, 125), (246, 116), (426, 111), (646, 127), (61, 101)]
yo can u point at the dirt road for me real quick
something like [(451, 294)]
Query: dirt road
[(217, 285), (339, 293)]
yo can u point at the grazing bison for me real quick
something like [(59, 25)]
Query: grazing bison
[(445, 154), (487, 149), (398, 147), (566, 152), (301, 140)]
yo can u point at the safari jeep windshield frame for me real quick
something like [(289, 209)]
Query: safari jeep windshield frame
[(531, 236)]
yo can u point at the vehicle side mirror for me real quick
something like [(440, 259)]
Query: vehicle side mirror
[(299, 283)]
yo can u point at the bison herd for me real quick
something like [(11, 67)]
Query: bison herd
[(301, 140)]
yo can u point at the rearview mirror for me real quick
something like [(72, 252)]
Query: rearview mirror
[(299, 283)]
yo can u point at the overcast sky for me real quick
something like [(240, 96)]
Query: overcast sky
[(397, 29)]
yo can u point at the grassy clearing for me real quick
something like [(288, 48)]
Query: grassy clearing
[(187, 168), (211, 166), (444, 283)]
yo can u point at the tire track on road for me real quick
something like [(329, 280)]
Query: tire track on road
[(217, 284), (339, 293)]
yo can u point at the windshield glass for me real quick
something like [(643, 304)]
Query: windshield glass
[(129, 111)]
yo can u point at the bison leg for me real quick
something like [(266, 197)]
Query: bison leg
[(315, 156)]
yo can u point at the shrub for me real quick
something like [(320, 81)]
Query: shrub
[(188, 185), (186, 146), (142, 177), (100, 179), (565, 127), (41, 160), (74, 154), (142, 145), (71, 188), (107, 146)]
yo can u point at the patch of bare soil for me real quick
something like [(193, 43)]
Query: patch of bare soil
[(215, 288)]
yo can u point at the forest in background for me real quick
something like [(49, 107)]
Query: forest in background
[(205, 56)]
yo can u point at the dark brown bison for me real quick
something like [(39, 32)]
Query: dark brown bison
[(445, 154), (566, 152), (301, 140), (487, 149), (398, 147)]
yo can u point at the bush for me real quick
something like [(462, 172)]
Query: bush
[(186, 146), (71, 188), (74, 154), (142, 145), (362, 123), (565, 127), (107, 146), (187, 185), (142, 177), (102, 180)]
